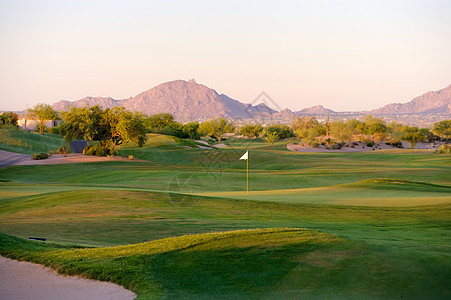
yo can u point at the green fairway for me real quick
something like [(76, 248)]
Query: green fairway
[(377, 223)]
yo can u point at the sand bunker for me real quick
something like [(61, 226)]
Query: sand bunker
[(24, 280), (359, 147)]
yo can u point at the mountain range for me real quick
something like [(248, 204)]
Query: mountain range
[(190, 101)]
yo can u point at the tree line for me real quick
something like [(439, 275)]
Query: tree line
[(112, 127)]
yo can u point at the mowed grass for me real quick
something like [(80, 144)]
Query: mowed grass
[(221, 171), (378, 222), (21, 141), (263, 263)]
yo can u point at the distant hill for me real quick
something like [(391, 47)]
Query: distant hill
[(190, 101), (315, 110), (186, 100), (436, 102)]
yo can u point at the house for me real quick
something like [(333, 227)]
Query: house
[(31, 124)]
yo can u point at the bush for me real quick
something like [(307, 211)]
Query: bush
[(39, 156), (55, 130), (444, 149), (64, 149), (336, 146), (398, 145), (315, 144), (101, 149), (370, 144), (8, 126)]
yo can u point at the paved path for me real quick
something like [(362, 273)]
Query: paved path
[(24, 280), (10, 158)]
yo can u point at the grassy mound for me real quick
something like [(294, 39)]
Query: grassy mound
[(399, 184), (246, 264), (226, 264), (21, 141)]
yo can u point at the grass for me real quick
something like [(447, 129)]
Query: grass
[(378, 222), (262, 263), (21, 141)]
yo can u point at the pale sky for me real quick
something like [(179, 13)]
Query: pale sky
[(345, 55)]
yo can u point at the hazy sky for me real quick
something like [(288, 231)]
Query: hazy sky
[(345, 55)]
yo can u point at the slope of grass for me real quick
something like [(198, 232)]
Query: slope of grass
[(262, 263), (21, 141), (370, 250)]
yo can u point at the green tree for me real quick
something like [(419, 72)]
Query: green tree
[(443, 129), (270, 138), (411, 135), (216, 128), (130, 127), (395, 132), (282, 131), (110, 126), (342, 131), (191, 130), (42, 112), (9, 118), (159, 121), (251, 131), (307, 129)]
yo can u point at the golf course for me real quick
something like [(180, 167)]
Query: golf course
[(174, 220)]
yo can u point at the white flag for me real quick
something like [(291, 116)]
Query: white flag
[(245, 156)]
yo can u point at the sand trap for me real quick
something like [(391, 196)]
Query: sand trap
[(220, 145), (24, 280), (360, 147)]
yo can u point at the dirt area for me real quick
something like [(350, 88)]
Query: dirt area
[(24, 280), (359, 147), (10, 158)]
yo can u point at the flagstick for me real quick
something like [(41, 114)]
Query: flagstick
[(247, 176)]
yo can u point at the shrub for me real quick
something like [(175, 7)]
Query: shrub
[(398, 145), (370, 144), (444, 149), (64, 150), (39, 156), (101, 149), (336, 146), (315, 144), (8, 126)]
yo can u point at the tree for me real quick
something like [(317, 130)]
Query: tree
[(251, 131), (42, 112), (158, 121), (9, 118), (443, 129), (130, 127), (270, 138), (307, 129), (342, 131), (216, 128), (395, 132), (115, 125), (411, 135), (190, 130), (282, 131)]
